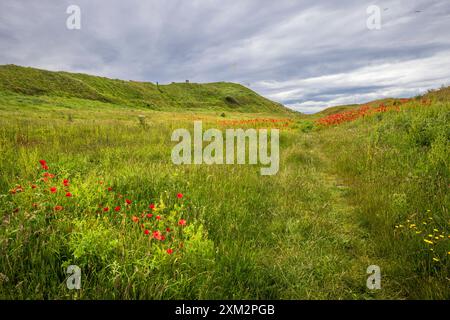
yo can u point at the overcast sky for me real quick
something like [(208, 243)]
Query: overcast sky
[(307, 55)]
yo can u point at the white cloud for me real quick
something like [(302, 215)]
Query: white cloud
[(405, 78)]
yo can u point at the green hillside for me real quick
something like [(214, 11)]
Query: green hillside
[(219, 96), (438, 95), (343, 108), (337, 109)]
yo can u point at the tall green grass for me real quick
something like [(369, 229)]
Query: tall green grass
[(397, 165), (309, 232)]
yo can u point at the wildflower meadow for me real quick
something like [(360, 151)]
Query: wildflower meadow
[(90, 183)]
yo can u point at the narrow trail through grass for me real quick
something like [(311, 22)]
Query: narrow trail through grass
[(324, 252)]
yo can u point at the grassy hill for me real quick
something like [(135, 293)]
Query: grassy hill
[(219, 96), (343, 108), (336, 109), (438, 95)]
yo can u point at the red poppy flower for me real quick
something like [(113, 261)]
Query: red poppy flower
[(117, 209), (158, 217), (152, 206), (168, 229), (53, 189), (157, 235), (149, 215), (58, 208), (180, 195), (146, 232), (66, 182), (169, 251), (109, 189), (68, 194), (43, 164), (105, 209), (128, 201), (182, 222)]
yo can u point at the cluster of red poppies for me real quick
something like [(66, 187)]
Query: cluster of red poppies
[(282, 122), (351, 115), (152, 218), (46, 178), (346, 116)]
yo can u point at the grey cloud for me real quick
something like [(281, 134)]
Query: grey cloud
[(305, 54)]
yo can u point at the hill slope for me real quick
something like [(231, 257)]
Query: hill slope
[(439, 95), (176, 96), (343, 108)]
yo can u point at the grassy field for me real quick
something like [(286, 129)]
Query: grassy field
[(371, 191)]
